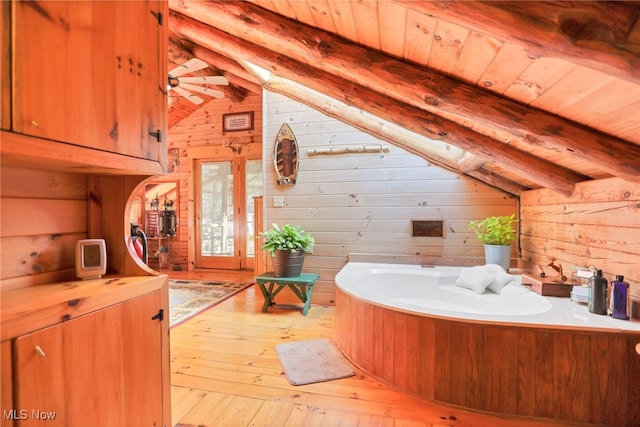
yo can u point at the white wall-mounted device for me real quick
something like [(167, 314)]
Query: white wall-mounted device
[(91, 258)]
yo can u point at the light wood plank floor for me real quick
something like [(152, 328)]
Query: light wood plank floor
[(225, 373)]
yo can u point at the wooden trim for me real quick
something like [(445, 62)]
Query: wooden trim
[(258, 227), (29, 152), (5, 64), (28, 309)]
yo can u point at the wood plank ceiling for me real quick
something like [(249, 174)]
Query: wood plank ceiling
[(520, 95)]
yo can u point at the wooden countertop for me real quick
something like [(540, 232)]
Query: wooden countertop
[(28, 309)]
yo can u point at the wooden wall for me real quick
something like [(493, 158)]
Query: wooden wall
[(364, 202), (599, 225), (43, 215), (191, 138)]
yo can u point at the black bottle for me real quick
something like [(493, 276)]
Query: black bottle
[(598, 293)]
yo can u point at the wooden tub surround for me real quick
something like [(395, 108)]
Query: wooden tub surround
[(555, 372)]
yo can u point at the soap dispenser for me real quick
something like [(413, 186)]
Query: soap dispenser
[(620, 297), (598, 294)]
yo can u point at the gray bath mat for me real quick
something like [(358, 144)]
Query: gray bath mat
[(313, 361)]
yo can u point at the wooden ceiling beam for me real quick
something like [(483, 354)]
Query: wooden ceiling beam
[(420, 87), (596, 34), (412, 118), (498, 181), (470, 162), (373, 126)]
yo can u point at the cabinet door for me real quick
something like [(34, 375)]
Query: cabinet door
[(89, 73), (93, 367), (6, 385), (101, 369), (39, 378), (141, 338), (113, 364)]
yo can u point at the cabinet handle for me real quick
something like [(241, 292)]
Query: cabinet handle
[(39, 351), (638, 348), (157, 135), (158, 16)]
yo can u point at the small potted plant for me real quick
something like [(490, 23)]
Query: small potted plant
[(287, 247), (496, 233)]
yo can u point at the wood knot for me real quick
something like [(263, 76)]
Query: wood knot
[(324, 48), (589, 29), (246, 19), (113, 134), (431, 100)]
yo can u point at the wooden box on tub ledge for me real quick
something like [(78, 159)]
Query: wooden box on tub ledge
[(549, 289)]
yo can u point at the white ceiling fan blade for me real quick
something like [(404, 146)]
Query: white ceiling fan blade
[(191, 97), (194, 64), (205, 90), (212, 80)]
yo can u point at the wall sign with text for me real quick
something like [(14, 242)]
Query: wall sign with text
[(237, 121)]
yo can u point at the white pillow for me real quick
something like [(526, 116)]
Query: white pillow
[(494, 268), (500, 280), (475, 278)]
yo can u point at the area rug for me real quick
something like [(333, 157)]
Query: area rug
[(313, 361), (190, 297)]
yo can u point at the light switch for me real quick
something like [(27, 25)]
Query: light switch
[(278, 201)]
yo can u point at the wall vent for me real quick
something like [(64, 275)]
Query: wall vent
[(427, 228)]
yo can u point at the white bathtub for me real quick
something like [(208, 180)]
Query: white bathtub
[(413, 328), (432, 290)]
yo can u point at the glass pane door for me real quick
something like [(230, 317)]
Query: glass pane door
[(224, 212), (215, 219)]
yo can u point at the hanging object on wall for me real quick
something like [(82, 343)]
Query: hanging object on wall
[(285, 156), (237, 143), (361, 148)]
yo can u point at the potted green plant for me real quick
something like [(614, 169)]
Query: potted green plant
[(287, 246), (496, 233)]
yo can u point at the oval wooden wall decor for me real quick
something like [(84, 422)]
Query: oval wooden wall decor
[(285, 156)]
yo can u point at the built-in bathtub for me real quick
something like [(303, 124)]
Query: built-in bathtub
[(515, 353)]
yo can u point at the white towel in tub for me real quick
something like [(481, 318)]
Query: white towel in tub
[(482, 277)]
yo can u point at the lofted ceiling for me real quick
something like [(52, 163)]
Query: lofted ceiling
[(519, 95)]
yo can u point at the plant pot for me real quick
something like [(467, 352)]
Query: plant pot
[(498, 254), (287, 263)]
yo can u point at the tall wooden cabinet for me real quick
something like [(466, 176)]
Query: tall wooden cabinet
[(82, 93)]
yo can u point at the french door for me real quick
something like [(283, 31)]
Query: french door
[(224, 214)]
